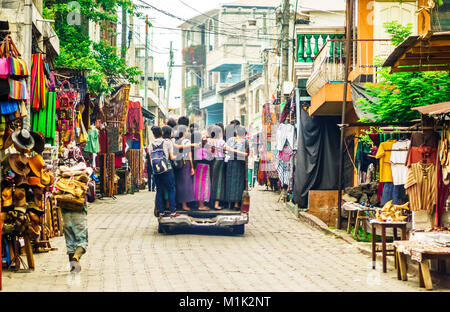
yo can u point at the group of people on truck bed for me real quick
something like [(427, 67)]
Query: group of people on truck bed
[(189, 165)]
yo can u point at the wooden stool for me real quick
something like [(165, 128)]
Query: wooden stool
[(383, 226), (17, 260)]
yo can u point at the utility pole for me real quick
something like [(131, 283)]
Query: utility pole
[(123, 50), (348, 33), (285, 42), (247, 87), (170, 65), (146, 65), (28, 42)]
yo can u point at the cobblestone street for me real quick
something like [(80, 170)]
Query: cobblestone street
[(277, 253)]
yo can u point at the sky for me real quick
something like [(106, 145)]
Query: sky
[(163, 37)]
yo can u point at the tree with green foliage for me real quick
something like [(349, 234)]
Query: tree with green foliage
[(397, 93), (78, 51)]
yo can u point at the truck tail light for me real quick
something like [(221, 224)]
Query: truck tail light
[(245, 207)]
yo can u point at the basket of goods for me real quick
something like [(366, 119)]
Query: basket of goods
[(392, 213), (72, 185)]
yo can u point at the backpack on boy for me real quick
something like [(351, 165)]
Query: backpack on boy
[(160, 164)]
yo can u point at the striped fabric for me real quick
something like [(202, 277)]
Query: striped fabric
[(218, 176), (235, 180), (18, 89), (421, 187), (283, 170), (18, 67), (202, 183), (38, 89)]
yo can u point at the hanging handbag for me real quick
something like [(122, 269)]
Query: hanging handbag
[(17, 65), (83, 134), (4, 68), (4, 63), (18, 89)]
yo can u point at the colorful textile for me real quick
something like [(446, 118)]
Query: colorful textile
[(384, 155), (135, 119), (38, 88), (218, 176), (92, 144), (235, 180), (283, 169), (44, 120), (202, 182), (18, 89), (184, 184), (421, 187), (18, 67)]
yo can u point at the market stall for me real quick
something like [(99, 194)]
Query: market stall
[(413, 178), (277, 146), (28, 217)]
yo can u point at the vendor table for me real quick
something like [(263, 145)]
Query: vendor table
[(358, 213), (420, 252), (383, 225)]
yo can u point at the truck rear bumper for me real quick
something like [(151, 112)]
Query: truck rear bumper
[(217, 221)]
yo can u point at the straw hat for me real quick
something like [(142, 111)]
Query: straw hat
[(23, 139), (36, 164), (18, 163), (47, 178)]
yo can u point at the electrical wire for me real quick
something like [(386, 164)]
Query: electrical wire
[(194, 24), (232, 26)]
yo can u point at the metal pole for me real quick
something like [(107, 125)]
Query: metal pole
[(28, 42), (123, 50), (349, 11), (146, 65)]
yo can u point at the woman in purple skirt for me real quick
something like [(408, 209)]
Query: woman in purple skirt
[(184, 169)]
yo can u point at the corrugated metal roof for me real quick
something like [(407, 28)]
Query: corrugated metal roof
[(434, 109)]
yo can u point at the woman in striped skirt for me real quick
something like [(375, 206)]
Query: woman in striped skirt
[(236, 169), (202, 179)]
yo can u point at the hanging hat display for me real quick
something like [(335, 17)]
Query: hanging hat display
[(22, 139), (18, 163), (7, 198), (47, 178), (39, 141), (19, 197), (36, 164), (36, 181)]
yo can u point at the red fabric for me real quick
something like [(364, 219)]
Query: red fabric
[(380, 191), (135, 117), (103, 141), (118, 161), (424, 154)]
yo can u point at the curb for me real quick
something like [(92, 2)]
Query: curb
[(320, 225)]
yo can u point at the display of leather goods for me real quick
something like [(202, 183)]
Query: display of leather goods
[(20, 180), (36, 164), (22, 139), (39, 141), (4, 87), (18, 163), (7, 196), (8, 107), (19, 197), (18, 89)]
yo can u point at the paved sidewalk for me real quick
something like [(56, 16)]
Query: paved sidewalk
[(277, 253)]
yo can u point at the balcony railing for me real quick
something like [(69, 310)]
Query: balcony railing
[(329, 64), (309, 45)]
